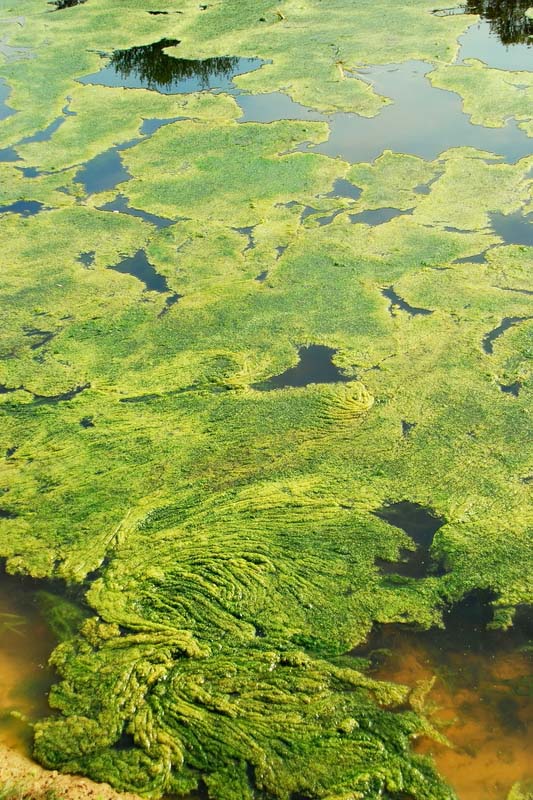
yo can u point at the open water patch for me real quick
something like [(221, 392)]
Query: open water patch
[(149, 67), (422, 120), (481, 698), (315, 365), (46, 134), (106, 170), (511, 388), (25, 208), (378, 216), (9, 155), (274, 106), (121, 205), (87, 259), (482, 42), (515, 228), (139, 267), (248, 233), (5, 110), (499, 330), (344, 188), (152, 125), (103, 172), (421, 524), (398, 303)]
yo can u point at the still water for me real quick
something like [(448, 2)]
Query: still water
[(25, 646), (482, 699)]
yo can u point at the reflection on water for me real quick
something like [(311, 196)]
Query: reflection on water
[(25, 646), (482, 699), (482, 43), (149, 67), (507, 18), (61, 4)]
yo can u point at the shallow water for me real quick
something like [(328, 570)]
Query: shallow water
[(482, 699), (25, 678)]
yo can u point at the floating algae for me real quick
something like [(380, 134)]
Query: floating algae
[(233, 545)]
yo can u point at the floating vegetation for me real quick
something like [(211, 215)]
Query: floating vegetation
[(251, 437)]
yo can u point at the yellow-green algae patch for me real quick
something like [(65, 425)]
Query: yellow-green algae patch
[(226, 535), (90, 132), (490, 96)]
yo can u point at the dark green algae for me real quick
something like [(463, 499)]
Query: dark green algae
[(226, 538)]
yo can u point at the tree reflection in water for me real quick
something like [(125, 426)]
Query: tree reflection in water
[(61, 4), (507, 18), (151, 65)]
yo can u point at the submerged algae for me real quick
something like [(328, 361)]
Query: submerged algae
[(228, 537)]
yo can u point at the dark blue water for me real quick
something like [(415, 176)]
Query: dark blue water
[(139, 266), (315, 366), (121, 204)]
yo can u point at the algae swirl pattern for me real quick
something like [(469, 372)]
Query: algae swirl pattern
[(223, 530)]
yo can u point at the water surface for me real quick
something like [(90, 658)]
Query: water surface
[(149, 67), (315, 366), (422, 120), (482, 699), (25, 646)]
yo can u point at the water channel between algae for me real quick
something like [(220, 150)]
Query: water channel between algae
[(265, 381)]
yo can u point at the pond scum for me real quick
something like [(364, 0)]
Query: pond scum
[(225, 531)]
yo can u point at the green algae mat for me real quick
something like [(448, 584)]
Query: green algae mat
[(225, 357)]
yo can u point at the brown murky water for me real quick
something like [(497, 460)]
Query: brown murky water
[(482, 699), (25, 645)]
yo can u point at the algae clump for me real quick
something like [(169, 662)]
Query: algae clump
[(226, 532)]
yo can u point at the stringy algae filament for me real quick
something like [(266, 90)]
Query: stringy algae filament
[(265, 382)]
